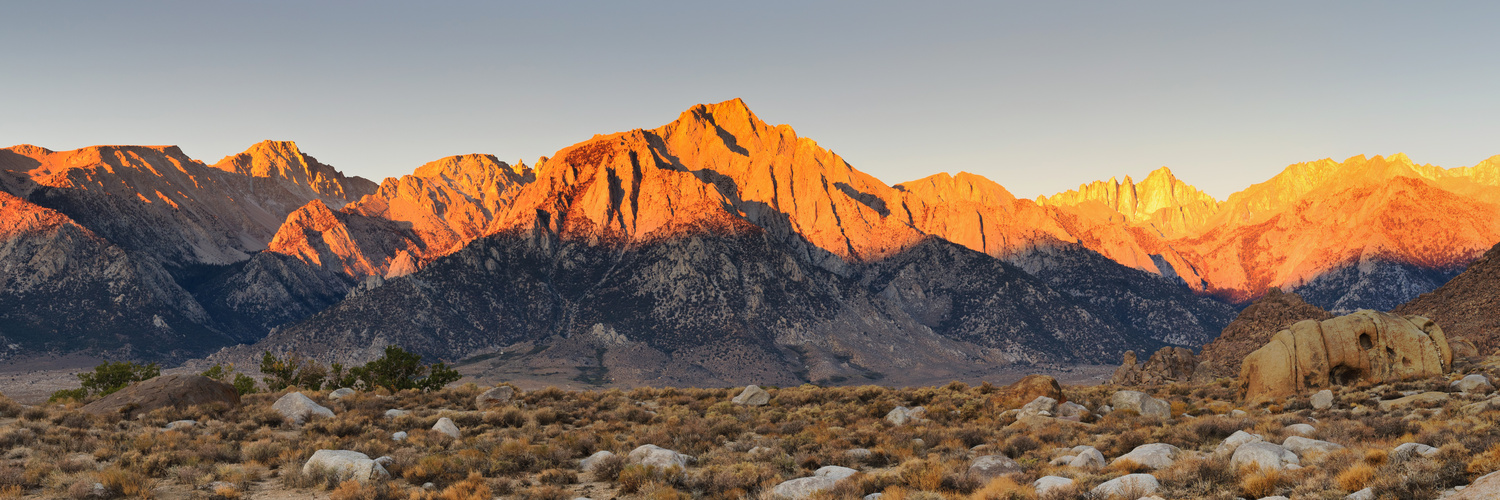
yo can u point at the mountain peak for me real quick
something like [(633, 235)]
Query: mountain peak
[(289, 166)]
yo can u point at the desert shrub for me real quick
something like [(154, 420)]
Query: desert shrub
[(127, 483), (398, 370), (1356, 477), (608, 469), (355, 490), (291, 371)]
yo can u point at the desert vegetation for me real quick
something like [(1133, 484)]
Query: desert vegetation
[(533, 444)]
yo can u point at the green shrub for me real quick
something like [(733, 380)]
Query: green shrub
[(107, 378)]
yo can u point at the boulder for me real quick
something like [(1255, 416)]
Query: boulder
[(1169, 364), (1485, 487), (1301, 429), (1303, 446), (398, 436), (181, 425), (1423, 400), (1323, 400), (446, 426), (1048, 483), (167, 390), (341, 393), (1029, 388), (1473, 384), (657, 456), (1154, 455), (393, 413), (1367, 346), (1409, 449), (1480, 407), (1129, 486), (753, 395), (1369, 494), (988, 467), (296, 408), (1042, 406), (902, 415), (588, 464), (1262, 454), (1071, 411), (346, 465), (823, 479), (494, 397), (1141, 403), (1087, 459)]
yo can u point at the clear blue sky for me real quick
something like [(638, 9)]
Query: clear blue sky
[(1039, 96)]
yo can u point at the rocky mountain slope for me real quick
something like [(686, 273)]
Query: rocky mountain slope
[(1468, 306), (1256, 324)]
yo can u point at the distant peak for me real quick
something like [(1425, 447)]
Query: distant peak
[(732, 115)]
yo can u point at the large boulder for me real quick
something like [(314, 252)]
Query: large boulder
[(1483, 488), (1141, 403), (446, 426), (296, 408), (346, 465), (1367, 346), (167, 390), (1046, 484), (1262, 454), (1029, 388), (494, 397), (753, 395), (902, 415), (1169, 364), (823, 479), (593, 461), (1154, 455), (656, 456)]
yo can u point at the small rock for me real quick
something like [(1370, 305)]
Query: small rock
[(858, 453), (1473, 384), (1264, 455), (1323, 400), (341, 393), (588, 464), (1071, 411), (398, 436), (393, 413), (901, 415), (823, 479), (1154, 455), (1137, 483), (1141, 403), (988, 467), (494, 397), (445, 425), (1364, 494), (1062, 460), (1301, 429), (1041, 406), (1303, 446), (657, 456), (346, 465), (429, 486), (1277, 497), (297, 408), (753, 395), (1048, 483), (100, 490), (1239, 413), (181, 425), (1419, 449), (873, 496)]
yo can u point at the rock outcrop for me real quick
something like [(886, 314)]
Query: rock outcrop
[(1364, 346), (753, 395), (1029, 388), (166, 390), (1169, 364)]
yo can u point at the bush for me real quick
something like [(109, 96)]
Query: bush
[(398, 370), (106, 379)]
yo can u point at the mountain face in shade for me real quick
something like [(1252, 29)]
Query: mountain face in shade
[(1468, 305)]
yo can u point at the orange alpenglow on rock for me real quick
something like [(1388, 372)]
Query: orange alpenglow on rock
[(1365, 346)]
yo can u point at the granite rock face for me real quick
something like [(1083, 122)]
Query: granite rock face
[(1364, 346)]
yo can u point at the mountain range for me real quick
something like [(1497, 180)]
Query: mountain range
[(714, 249)]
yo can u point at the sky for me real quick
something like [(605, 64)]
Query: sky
[(1038, 96)]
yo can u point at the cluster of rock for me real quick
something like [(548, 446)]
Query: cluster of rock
[(1169, 364), (1364, 346)]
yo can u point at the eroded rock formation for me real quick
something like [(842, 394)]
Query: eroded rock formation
[(1364, 346)]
